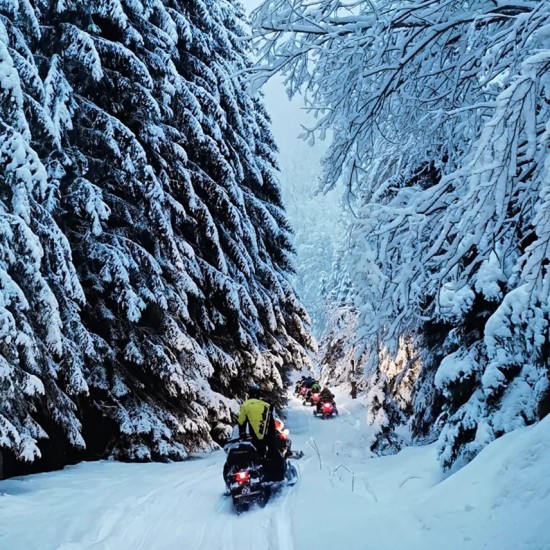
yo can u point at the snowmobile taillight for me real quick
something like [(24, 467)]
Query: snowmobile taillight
[(327, 406), (242, 477)]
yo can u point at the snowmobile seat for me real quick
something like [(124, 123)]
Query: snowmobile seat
[(242, 455)]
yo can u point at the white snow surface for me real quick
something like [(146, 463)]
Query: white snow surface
[(345, 500)]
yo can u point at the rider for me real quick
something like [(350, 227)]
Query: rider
[(257, 415), (315, 388), (299, 383), (326, 395)]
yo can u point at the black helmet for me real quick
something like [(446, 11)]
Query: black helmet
[(253, 391)]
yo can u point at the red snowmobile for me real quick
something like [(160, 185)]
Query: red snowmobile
[(325, 409), (314, 398)]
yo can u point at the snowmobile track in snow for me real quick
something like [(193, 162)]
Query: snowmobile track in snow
[(396, 503)]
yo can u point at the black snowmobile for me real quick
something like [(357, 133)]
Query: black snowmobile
[(246, 477)]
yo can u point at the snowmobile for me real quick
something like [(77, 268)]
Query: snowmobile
[(326, 410), (245, 476), (312, 398)]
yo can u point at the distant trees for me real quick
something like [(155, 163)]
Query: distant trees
[(441, 136), (147, 253), (318, 229)]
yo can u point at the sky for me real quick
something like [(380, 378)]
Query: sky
[(288, 118)]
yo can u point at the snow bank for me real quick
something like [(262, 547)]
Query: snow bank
[(501, 499)]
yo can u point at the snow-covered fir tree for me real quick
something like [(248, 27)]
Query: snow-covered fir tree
[(441, 136), (42, 340), (153, 277)]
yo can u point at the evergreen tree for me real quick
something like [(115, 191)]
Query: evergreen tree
[(42, 342), (163, 171)]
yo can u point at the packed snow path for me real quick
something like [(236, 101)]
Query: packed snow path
[(343, 500)]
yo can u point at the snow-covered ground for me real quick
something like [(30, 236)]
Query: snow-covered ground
[(345, 499)]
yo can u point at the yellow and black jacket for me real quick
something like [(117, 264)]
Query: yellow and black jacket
[(257, 414)]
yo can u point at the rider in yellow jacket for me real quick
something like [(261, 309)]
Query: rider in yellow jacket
[(257, 415)]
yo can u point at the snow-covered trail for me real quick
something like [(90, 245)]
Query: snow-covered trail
[(344, 499)]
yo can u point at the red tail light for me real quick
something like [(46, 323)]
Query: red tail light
[(327, 406), (242, 476)]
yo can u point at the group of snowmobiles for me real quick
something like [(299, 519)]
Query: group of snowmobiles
[(322, 400), (252, 474)]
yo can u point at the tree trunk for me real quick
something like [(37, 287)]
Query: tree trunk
[(353, 381)]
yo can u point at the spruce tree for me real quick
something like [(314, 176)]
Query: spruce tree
[(159, 176), (42, 342)]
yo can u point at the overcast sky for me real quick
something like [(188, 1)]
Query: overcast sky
[(287, 116)]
